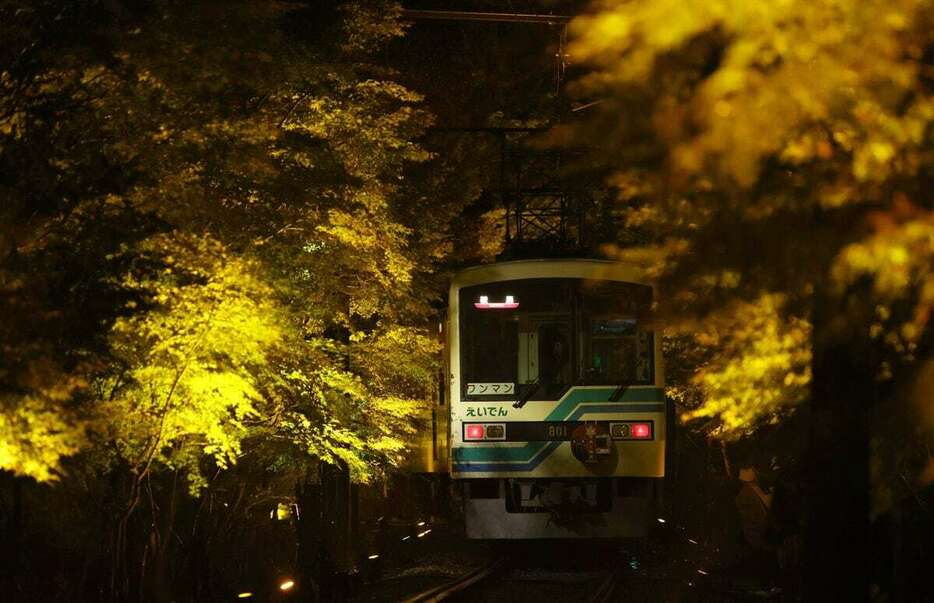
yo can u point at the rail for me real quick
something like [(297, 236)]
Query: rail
[(615, 574), (604, 592), (439, 593)]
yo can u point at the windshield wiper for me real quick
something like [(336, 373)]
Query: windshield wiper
[(618, 392), (524, 398)]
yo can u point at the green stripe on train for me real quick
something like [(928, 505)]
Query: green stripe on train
[(562, 411), (578, 395)]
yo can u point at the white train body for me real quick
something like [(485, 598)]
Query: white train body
[(557, 423)]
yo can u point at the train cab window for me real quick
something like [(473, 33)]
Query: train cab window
[(490, 349), (616, 347), (618, 352), (534, 338), (509, 348)]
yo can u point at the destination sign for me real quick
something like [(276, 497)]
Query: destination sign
[(491, 389)]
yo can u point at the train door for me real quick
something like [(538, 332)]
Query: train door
[(545, 353)]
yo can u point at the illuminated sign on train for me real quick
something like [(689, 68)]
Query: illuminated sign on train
[(486, 304)]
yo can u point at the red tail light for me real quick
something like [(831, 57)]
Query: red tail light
[(642, 431), (473, 432)]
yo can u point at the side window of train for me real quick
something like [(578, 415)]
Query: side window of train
[(442, 387), (443, 368)]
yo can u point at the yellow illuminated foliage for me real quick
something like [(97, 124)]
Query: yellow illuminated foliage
[(803, 80), (284, 304), (759, 371), (773, 149), (366, 416), (41, 418), (189, 361), (899, 259), (372, 23), (36, 435)]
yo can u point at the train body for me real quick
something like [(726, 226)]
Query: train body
[(553, 402)]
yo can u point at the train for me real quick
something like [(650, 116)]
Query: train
[(551, 419)]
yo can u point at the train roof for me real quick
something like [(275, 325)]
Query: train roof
[(550, 268)]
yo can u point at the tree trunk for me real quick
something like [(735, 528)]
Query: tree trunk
[(11, 516), (309, 531), (837, 530), (157, 581), (338, 504)]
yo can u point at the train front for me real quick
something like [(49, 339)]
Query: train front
[(558, 416)]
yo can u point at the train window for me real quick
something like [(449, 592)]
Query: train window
[(560, 332), (489, 350), (616, 348), (523, 346), (442, 387)]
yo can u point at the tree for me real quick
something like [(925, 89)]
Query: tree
[(781, 153), (295, 169), (210, 248)]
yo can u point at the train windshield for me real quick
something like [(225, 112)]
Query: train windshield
[(535, 338)]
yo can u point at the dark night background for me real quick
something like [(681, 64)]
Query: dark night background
[(228, 229)]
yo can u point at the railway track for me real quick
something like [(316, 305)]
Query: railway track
[(607, 587), (506, 580), (457, 585)]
